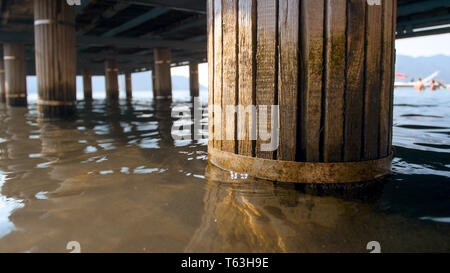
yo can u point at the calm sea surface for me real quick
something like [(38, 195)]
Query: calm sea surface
[(114, 180)]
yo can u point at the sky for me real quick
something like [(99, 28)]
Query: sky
[(424, 46)]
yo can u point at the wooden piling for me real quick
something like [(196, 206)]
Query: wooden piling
[(326, 64), (54, 28), (87, 85), (194, 85), (128, 86), (15, 74), (2, 82), (163, 79), (111, 80)]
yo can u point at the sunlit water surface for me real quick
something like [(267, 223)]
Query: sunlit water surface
[(115, 180)]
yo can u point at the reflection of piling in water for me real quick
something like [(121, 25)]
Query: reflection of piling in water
[(163, 110), (244, 215)]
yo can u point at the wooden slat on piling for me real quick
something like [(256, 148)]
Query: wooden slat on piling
[(218, 73), (312, 30), (356, 22), (266, 67), (247, 74), (230, 76), (288, 80), (372, 85), (211, 66), (333, 138), (386, 79)]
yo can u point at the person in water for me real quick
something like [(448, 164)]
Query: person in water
[(433, 85), (419, 86)]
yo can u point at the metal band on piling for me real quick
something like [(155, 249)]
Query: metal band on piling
[(40, 22), (301, 172), (17, 96), (55, 103), (163, 97)]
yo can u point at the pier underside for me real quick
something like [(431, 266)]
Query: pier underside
[(129, 31)]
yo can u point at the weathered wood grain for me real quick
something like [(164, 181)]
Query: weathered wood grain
[(15, 74), (356, 22), (386, 79), (372, 84), (218, 74), (288, 83), (230, 76), (266, 68), (312, 29), (247, 76)]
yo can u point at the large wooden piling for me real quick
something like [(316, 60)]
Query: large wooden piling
[(54, 28), (111, 80), (15, 74), (163, 80), (2, 82), (194, 85), (128, 86), (326, 64), (87, 85)]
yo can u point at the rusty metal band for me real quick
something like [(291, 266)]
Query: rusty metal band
[(163, 97), (16, 96), (163, 62), (55, 103), (301, 172), (112, 70), (41, 22)]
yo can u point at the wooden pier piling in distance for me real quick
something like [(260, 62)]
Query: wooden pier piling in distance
[(111, 80), (87, 84), (162, 80), (194, 85), (56, 65), (2, 82), (128, 86), (15, 74), (327, 64)]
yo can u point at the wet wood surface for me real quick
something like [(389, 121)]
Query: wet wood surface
[(326, 64), (15, 74), (54, 29)]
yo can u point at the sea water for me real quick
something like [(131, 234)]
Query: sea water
[(115, 180)]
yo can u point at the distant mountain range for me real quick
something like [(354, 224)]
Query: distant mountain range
[(141, 82), (422, 67), (414, 68)]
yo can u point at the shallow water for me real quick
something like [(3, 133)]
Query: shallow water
[(114, 180)]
